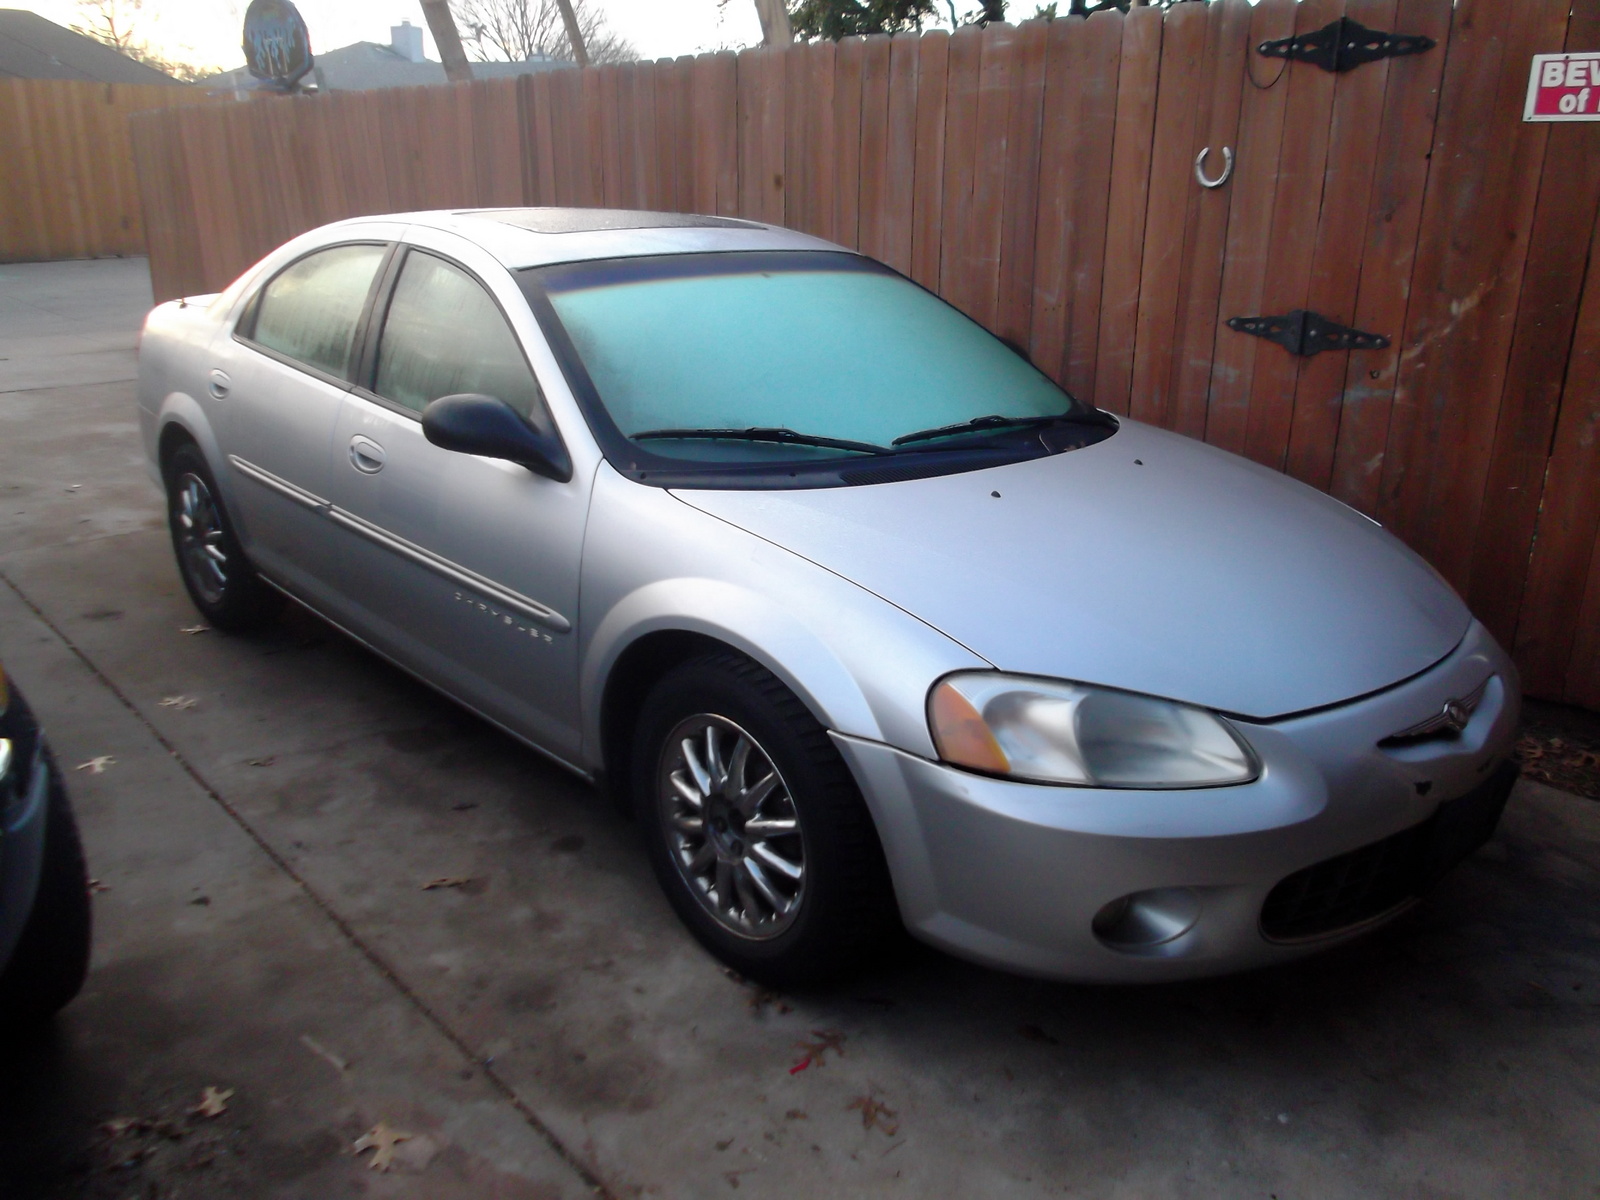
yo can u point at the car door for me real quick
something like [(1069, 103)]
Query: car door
[(288, 367), (465, 569)]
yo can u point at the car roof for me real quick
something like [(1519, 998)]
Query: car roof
[(531, 237)]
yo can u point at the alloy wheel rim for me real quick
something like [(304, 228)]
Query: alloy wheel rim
[(732, 829), (199, 532)]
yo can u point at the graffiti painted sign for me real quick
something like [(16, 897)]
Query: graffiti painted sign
[(277, 45), (1564, 87)]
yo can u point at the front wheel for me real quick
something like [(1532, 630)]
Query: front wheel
[(217, 575), (754, 826)]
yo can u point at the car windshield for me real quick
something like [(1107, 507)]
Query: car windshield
[(761, 358)]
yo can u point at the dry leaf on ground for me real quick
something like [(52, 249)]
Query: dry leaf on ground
[(827, 1039), (213, 1102), (98, 764), (875, 1114), (178, 702), (381, 1140)]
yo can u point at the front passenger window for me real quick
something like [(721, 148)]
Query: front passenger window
[(310, 311), (444, 335)]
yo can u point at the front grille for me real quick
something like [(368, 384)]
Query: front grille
[(1347, 890), (1338, 893)]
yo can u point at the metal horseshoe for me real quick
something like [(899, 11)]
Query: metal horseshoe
[(1200, 170)]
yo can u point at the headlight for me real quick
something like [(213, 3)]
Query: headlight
[(1056, 732)]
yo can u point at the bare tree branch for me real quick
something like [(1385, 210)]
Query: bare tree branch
[(518, 30)]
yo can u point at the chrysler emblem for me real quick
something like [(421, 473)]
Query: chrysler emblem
[(1456, 714), (1449, 721)]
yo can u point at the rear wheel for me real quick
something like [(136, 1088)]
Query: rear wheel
[(755, 827), (50, 961), (216, 573)]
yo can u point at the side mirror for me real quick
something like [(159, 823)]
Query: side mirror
[(478, 424)]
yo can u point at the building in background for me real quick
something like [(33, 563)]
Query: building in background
[(363, 66), (34, 48)]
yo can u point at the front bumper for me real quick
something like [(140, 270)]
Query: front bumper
[(1015, 874)]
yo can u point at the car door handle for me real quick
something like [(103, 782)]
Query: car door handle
[(366, 455), (217, 383)]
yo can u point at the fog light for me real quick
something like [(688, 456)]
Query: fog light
[(1145, 920)]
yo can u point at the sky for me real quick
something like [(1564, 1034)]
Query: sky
[(208, 32)]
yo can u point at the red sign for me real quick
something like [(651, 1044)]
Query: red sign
[(1564, 87)]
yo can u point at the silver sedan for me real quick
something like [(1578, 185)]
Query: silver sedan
[(864, 618)]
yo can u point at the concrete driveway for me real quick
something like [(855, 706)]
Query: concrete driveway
[(541, 1025)]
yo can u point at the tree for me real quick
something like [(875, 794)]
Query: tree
[(775, 27), (112, 23), (835, 19), (517, 30)]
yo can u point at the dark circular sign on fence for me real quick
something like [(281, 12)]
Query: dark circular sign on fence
[(277, 45)]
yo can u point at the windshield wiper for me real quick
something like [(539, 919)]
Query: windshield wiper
[(758, 434), (1091, 416)]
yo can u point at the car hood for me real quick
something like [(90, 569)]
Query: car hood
[(1148, 561)]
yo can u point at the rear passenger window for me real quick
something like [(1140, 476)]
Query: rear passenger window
[(445, 335), (310, 311)]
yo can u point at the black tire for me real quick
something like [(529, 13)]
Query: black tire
[(229, 594), (842, 907), (48, 966)]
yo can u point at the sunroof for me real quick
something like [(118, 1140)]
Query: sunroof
[(594, 220)]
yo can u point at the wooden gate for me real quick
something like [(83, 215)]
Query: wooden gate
[(1043, 179)]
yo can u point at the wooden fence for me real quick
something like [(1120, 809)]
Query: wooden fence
[(67, 184), (1041, 178)]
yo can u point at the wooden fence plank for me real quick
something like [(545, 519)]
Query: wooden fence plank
[(1171, 178), (1251, 194), (753, 90), (998, 71), (956, 283), (1019, 214), (1095, 64), (873, 211), (1066, 113), (1558, 611), (644, 146), (877, 135), (1134, 141), (1400, 177), (667, 121), (1291, 246), (849, 66), (703, 139), (1485, 174), (1569, 194), (614, 189), (927, 208), (897, 202), (1206, 228), (1341, 233)]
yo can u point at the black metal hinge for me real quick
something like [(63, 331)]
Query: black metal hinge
[(1343, 45), (1307, 333)]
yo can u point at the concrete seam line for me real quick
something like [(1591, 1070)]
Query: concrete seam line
[(583, 1171)]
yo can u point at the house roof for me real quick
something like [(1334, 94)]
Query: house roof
[(364, 66), (34, 48)]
